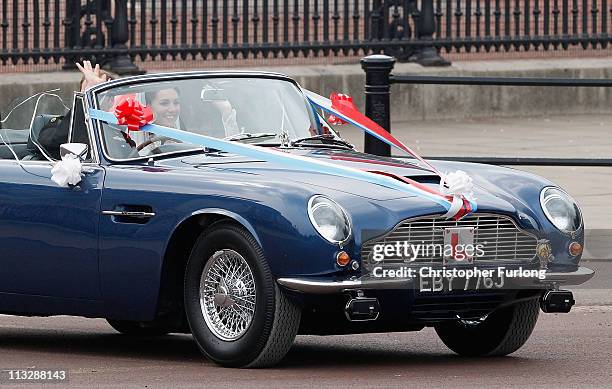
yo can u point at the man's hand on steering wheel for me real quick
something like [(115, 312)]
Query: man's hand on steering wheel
[(151, 141)]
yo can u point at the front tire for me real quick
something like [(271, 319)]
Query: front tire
[(501, 333), (237, 314)]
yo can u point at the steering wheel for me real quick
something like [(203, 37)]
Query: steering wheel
[(151, 140)]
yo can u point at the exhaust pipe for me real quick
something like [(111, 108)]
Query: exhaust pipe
[(557, 301)]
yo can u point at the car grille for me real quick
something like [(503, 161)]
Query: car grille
[(502, 240)]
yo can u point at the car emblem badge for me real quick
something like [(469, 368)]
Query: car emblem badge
[(544, 251), (458, 245)]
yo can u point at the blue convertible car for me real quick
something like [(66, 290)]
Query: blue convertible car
[(163, 234)]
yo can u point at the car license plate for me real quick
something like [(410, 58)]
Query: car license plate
[(449, 284)]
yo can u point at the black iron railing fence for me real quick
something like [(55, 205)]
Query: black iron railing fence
[(379, 78), (116, 32)]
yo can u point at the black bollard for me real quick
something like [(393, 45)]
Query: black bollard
[(377, 95)]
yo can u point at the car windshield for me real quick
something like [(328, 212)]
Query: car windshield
[(263, 111)]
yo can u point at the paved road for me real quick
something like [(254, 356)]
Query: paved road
[(571, 350)]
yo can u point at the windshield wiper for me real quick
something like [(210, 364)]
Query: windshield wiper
[(251, 136), (326, 139)]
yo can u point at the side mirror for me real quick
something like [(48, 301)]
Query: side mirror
[(78, 149)]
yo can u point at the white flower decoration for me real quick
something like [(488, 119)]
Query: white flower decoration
[(457, 183), (67, 171)]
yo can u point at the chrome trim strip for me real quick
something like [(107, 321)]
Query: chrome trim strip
[(577, 277), (41, 162), (185, 75), (328, 287), (93, 145), (30, 163), (75, 97), (310, 286), (137, 214)]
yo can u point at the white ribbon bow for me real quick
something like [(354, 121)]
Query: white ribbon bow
[(457, 184), (67, 171)]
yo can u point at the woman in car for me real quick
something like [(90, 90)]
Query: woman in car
[(166, 107)]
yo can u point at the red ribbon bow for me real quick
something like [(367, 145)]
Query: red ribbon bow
[(340, 102), (132, 113)]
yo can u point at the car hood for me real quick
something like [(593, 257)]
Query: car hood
[(348, 158), (496, 189)]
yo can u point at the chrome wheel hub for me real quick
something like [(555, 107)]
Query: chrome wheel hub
[(227, 295)]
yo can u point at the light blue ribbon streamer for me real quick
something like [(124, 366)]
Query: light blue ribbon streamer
[(323, 103), (288, 160)]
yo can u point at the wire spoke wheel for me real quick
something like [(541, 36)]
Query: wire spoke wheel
[(237, 314), (227, 295)]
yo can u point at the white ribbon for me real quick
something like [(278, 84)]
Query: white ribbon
[(457, 184), (455, 207), (67, 171)]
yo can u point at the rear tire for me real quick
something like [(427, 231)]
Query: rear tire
[(501, 333), (237, 314)]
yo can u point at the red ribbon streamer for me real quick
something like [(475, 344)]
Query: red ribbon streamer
[(336, 121), (344, 104), (337, 100)]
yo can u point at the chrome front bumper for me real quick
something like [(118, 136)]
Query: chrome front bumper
[(577, 277), (318, 286), (313, 286)]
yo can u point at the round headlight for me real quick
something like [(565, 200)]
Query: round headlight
[(329, 219), (561, 209)]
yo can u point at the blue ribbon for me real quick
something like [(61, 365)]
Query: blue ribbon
[(288, 160)]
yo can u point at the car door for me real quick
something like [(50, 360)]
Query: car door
[(49, 234)]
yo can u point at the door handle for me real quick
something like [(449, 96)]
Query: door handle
[(138, 214)]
